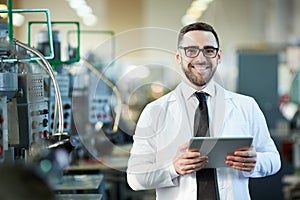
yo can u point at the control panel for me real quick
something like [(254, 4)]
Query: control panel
[(32, 109), (67, 114), (31, 87), (100, 109), (63, 81), (33, 122), (99, 101)]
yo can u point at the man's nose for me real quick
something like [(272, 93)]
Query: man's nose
[(200, 57)]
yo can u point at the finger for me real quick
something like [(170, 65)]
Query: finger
[(243, 166), (242, 149), (194, 150), (241, 152), (184, 147), (181, 150), (190, 155), (252, 151), (241, 163), (195, 161), (198, 164), (185, 166), (247, 152), (241, 159)]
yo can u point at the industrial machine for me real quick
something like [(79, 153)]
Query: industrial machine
[(34, 114), (55, 107), (96, 102), (290, 108), (62, 76), (295, 120)]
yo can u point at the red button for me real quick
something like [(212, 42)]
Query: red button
[(66, 125), (46, 133)]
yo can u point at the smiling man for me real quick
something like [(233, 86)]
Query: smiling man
[(160, 158)]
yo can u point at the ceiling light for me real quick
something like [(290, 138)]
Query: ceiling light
[(18, 19), (90, 20), (195, 11), (76, 3), (188, 19), (83, 11), (3, 15)]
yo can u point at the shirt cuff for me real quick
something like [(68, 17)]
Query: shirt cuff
[(173, 172), (255, 171)]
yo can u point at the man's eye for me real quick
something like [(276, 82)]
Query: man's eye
[(209, 50), (191, 50)]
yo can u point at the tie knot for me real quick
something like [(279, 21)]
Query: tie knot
[(201, 96)]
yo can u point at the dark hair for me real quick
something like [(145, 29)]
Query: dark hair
[(197, 26)]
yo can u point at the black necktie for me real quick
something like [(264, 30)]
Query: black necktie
[(201, 125), (207, 185)]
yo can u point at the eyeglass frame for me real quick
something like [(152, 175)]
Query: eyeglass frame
[(199, 50)]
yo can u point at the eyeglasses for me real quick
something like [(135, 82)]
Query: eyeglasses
[(193, 51)]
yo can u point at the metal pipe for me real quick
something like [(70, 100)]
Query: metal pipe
[(58, 102), (114, 88)]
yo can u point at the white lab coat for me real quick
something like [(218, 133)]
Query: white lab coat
[(166, 124)]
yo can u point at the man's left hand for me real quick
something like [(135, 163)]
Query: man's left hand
[(243, 159)]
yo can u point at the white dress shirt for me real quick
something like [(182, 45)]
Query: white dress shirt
[(167, 123)]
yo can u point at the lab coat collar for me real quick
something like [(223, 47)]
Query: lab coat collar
[(188, 91)]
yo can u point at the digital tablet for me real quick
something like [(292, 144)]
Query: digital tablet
[(217, 148)]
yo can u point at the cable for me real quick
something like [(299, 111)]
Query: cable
[(114, 88), (58, 102)]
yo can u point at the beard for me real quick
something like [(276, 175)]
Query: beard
[(196, 79)]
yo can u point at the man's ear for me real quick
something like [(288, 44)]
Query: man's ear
[(178, 58), (219, 56)]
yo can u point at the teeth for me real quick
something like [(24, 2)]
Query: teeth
[(200, 68)]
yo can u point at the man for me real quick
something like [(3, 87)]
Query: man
[(160, 158)]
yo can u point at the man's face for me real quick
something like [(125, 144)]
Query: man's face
[(200, 69)]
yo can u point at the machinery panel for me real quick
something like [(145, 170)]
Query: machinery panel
[(63, 82), (33, 122), (67, 113), (100, 109), (99, 101), (32, 88)]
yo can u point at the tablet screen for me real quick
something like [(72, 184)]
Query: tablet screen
[(217, 148)]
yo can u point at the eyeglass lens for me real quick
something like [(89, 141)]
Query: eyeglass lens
[(193, 52)]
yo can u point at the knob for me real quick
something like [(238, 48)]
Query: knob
[(45, 122)]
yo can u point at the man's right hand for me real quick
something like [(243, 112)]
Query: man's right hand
[(188, 160)]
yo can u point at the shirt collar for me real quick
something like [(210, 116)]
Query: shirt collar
[(188, 91)]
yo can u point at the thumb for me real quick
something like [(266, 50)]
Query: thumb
[(184, 147)]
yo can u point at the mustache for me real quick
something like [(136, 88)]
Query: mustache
[(199, 63)]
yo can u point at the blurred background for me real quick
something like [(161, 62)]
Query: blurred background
[(68, 114)]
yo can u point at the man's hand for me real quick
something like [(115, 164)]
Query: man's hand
[(243, 159), (188, 161)]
